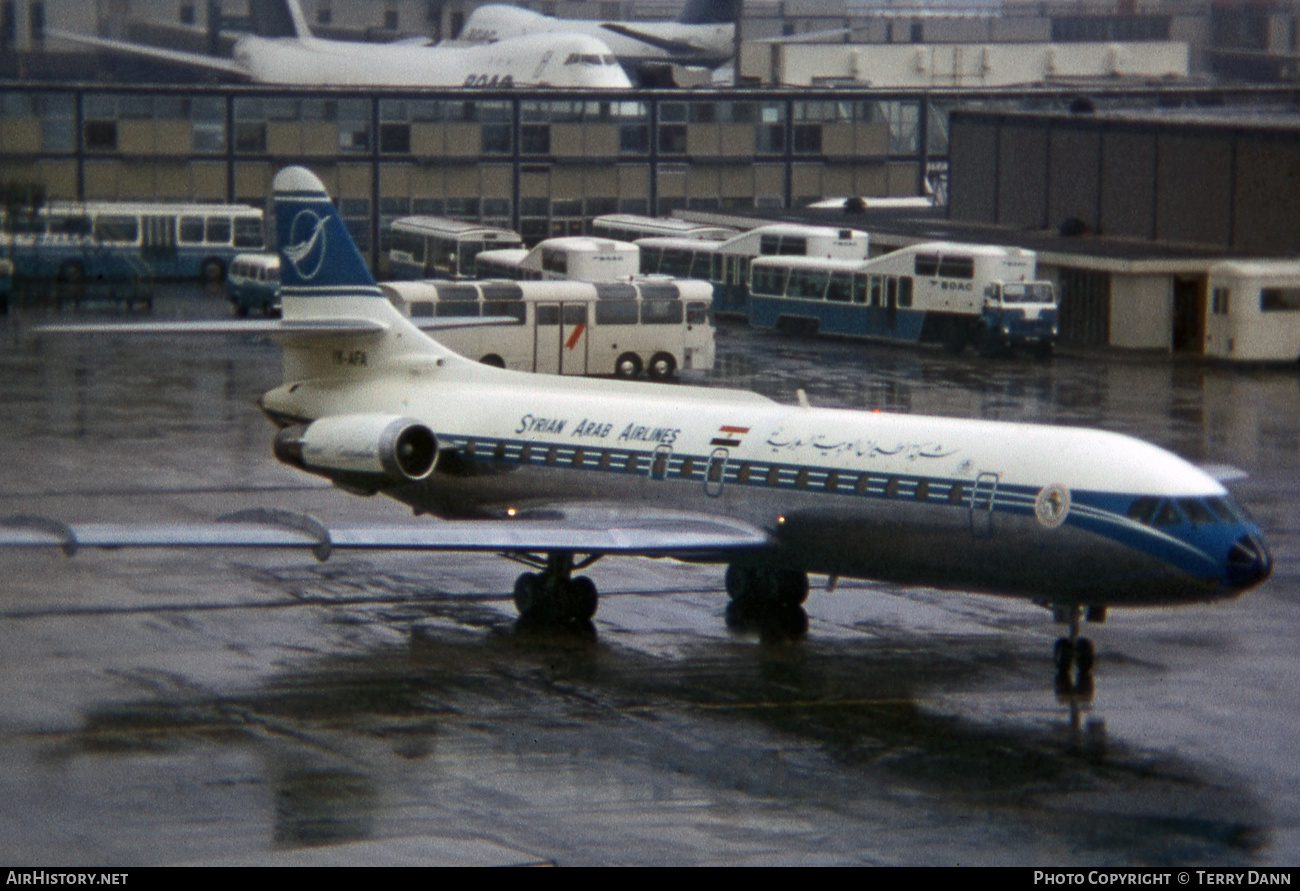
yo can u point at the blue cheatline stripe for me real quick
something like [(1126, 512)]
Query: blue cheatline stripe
[(1100, 513)]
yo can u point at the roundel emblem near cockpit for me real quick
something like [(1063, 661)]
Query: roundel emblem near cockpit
[(1052, 505)]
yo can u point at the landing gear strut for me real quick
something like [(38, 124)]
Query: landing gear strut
[(555, 595), (1074, 655)]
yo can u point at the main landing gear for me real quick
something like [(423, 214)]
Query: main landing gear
[(767, 599), (1074, 655), (554, 595)]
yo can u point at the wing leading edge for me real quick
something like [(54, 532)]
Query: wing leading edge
[(655, 535)]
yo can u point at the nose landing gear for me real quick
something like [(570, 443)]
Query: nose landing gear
[(1073, 655)]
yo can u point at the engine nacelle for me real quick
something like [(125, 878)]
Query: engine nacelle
[(369, 445)]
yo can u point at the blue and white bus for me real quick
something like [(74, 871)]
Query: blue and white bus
[(422, 247), (726, 263), (121, 241), (938, 292)]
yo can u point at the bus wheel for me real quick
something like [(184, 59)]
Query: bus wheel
[(212, 271), (494, 360), (662, 366), (628, 365)]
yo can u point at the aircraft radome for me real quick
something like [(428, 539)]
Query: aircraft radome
[(285, 52), (567, 470)]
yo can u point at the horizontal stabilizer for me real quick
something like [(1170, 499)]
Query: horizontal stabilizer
[(678, 535), (284, 328)]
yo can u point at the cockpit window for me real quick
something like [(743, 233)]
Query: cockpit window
[(1225, 509), (1197, 512), (1144, 510), (589, 59), (1168, 515)]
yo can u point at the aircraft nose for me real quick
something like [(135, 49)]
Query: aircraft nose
[(1249, 562)]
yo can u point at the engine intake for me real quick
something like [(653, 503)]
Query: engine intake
[(391, 446)]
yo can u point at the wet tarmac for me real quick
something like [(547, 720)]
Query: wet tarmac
[(223, 707)]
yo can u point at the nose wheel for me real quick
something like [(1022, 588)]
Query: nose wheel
[(1074, 656)]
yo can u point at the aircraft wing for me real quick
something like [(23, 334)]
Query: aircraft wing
[(179, 57), (655, 534)]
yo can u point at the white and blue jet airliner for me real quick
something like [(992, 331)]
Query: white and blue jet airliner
[(564, 471)]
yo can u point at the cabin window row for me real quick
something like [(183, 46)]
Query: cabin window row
[(835, 287), (714, 469), (934, 265)]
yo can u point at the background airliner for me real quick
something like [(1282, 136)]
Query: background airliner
[(701, 35), (562, 471), (284, 51)]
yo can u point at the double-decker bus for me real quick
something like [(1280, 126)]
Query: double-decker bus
[(573, 257), (130, 241), (938, 292), (421, 247), (630, 227), (1253, 311), (725, 263), (568, 327)]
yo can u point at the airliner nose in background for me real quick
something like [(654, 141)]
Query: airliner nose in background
[(284, 51)]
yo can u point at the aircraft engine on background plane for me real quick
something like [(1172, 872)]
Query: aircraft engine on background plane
[(352, 448)]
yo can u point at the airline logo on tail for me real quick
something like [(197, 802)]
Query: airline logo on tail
[(317, 256)]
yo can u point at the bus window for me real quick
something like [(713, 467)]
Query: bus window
[(875, 290), (810, 284), (500, 291), (422, 309), (575, 314), (457, 308), (794, 246), (697, 313), (676, 262), (926, 265), (661, 312), (701, 265), (1279, 299), (248, 232), (616, 312), (117, 228), (548, 314), (859, 289), (769, 281), (650, 259), (218, 230), (514, 309), (192, 230), (840, 289), (905, 290), (957, 267), (769, 245)]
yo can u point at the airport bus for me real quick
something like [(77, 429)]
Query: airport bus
[(130, 241), (630, 227), (725, 263), (423, 247), (1253, 311), (938, 292), (564, 327), (575, 258), (253, 282)]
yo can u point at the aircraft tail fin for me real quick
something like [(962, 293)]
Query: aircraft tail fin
[(278, 18), (708, 12), (336, 321), (317, 255)]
